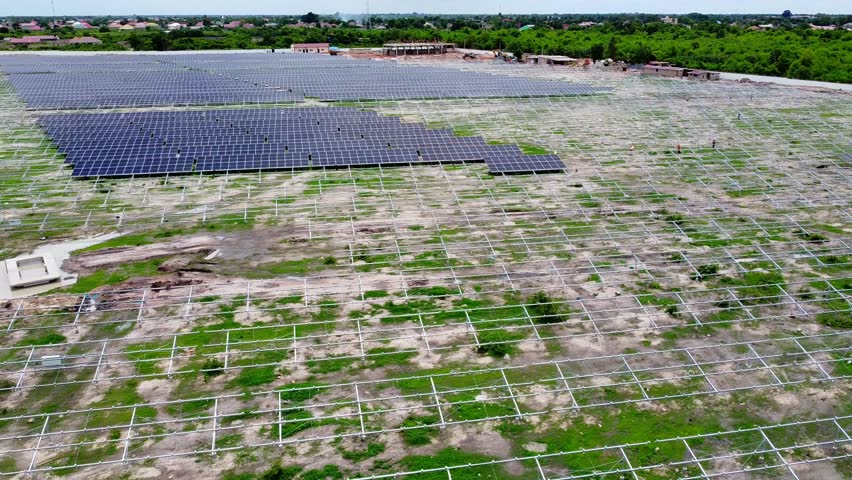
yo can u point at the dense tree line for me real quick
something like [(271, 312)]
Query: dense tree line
[(794, 51)]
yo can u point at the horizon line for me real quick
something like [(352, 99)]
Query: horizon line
[(419, 14)]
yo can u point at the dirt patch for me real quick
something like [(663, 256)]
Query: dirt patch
[(109, 257)]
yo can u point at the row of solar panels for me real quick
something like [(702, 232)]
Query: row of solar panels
[(178, 146), (240, 163), (46, 81)]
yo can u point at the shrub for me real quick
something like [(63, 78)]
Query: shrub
[(703, 271), (277, 472), (495, 349), (212, 367), (812, 237), (543, 308)]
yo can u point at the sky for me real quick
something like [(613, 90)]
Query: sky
[(283, 7)]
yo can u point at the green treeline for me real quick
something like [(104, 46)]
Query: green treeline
[(797, 52)]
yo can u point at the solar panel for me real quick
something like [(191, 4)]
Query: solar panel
[(108, 81), (171, 142)]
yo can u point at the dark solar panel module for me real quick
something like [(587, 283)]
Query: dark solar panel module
[(158, 143), (109, 81)]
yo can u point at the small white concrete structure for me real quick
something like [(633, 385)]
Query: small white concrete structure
[(34, 270), (20, 278)]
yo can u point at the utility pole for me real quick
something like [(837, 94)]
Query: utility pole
[(368, 15)]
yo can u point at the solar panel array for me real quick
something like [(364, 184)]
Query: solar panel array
[(121, 80), (107, 81), (158, 143), (341, 78)]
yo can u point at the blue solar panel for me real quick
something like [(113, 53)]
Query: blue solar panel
[(108, 81), (154, 143)]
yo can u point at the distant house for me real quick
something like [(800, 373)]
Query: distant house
[(80, 41), (526, 27), (586, 24), (663, 71), (32, 40), (847, 27), (81, 26), (31, 26), (549, 59), (702, 75), (237, 24), (669, 20), (823, 27), (767, 26), (114, 26), (417, 48), (309, 48), (141, 26)]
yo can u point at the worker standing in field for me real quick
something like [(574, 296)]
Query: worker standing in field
[(714, 143), (678, 148)]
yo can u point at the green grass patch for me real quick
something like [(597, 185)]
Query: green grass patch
[(330, 365), (371, 450), (254, 376), (132, 240), (116, 275), (464, 131), (299, 392), (36, 338), (375, 294), (387, 357), (420, 433), (147, 356), (756, 288), (290, 267), (528, 149), (452, 456), (432, 291)]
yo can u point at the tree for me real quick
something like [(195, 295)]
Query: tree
[(104, 29), (160, 41), (135, 42), (310, 17), (597, 51), (643, 54), (801, 68), (612, 49), (787, 14)]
